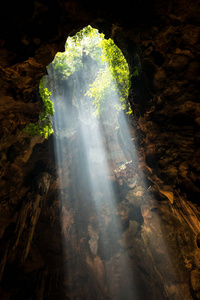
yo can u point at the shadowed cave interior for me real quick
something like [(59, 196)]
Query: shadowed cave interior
[(105, 208)]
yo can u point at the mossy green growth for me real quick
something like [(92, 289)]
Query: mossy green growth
[(70, 61), (113, 78), (44, 125)]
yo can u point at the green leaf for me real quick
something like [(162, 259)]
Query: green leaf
[(43, 127)]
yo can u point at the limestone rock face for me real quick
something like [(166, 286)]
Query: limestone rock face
[(44, 252)]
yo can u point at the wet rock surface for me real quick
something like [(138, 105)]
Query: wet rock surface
[(158, 197)]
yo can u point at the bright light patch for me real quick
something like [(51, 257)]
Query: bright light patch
[(89, 84)]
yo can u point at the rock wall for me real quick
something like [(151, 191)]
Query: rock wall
[(162, 38)]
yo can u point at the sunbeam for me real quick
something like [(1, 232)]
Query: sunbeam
[(99, 153), (100, 190)]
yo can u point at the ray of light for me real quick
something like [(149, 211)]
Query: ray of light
[(88, 149)]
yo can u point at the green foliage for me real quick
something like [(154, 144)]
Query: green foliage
[(88, 40), (129, 111), (102, 90), (118, 67), (43, 127), (68, 62), (113, 78)]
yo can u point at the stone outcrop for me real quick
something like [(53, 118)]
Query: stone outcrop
[(159, 196)]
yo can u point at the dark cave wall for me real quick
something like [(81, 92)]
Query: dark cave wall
[(162, 37)]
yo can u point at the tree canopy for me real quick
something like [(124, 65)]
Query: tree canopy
[(113, 78), (88, 40)]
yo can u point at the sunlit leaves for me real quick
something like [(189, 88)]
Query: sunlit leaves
[(88, 40), (113, 78), (102, 89), (68, 62), (119, 70), (44, 125)]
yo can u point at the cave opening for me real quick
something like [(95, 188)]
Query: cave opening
[(107, 79), (100, 188)]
